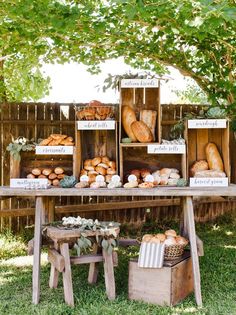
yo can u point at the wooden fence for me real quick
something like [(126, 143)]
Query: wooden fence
[(38, 120)]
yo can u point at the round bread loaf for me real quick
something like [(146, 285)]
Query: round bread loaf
[(96, 161), (141, 132), (170, 233), (52, 176), (30, 176), (36, 171), (58, 170), (47, 171)]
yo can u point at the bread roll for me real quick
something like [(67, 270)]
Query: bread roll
[(95, 103), (149, 117), (52, 176), (213, 158), (147, 237), (146, 185), (174, 175), (141, 132), (132, 184), (56, 182), (61, 176), (108, 178), (58, 170), (92, 173), (88, 162), (83, 172), (170, 233), (105, 159), (155, 240), (96, 161), (92, 178), (136, 173), (128, 117), (161, 237), (181, 240), (111, 171), (36, 171), (89, 168), (165, 172), (101, 170), (170, 241), (200, 165), (104, 165), (30, 176), (46, 171), (112, 164), (42, 176)]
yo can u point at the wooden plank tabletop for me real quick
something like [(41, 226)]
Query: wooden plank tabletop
[(159, 191)]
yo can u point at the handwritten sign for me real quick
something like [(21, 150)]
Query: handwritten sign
[(29, 183), (209, 182), (206, 123), (96, 125), (166, 149), (139, 83), (54, 150)]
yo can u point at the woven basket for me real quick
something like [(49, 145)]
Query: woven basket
[(174, 251)]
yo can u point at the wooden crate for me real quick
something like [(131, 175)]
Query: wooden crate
[(136, 157), (91, 143), (197, 139), (139, 99), (29, 160), (165, 286)]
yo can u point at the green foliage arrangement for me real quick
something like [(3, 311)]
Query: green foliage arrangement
[(68, 182), (20, 144)]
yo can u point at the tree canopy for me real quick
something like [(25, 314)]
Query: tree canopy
[(198, 37)]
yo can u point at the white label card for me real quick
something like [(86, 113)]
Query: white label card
[(96, 125), (27, 182), (206, 123), (209, 182), (54, 150), (166, 149), (139, 83)]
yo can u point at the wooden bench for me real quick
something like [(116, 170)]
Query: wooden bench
[(61, 261)]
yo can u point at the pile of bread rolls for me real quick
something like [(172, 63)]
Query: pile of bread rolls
[(57, 139), (169, 238), (53, 175), (164, 176), (211, 167), (100, 165), (95, 110), (142, 130)]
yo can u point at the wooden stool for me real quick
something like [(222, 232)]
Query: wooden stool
[(61, 261)]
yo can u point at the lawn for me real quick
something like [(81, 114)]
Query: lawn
[(218, 273)]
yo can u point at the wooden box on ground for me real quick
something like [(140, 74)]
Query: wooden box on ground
[(165, 286), (197, 139)]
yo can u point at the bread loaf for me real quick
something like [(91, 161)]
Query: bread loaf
[(36, 171), (58, 170), (209, 173), (149, 117), (127, 118), (141, 131), (197, 166), (213, 157)]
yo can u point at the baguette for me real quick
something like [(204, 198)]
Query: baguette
[(58, 170), (36, 171)]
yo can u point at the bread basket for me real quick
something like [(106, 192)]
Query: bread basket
[(102, 112), (174, 251)]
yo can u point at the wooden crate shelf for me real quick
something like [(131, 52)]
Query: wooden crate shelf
[(197, 139), (92, 143)]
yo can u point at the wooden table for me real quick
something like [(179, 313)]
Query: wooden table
[(185, 193)]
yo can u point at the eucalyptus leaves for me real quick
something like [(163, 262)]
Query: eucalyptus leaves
[(18, 145), (105, 233)]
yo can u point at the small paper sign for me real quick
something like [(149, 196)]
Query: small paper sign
[(209, 182), (96, 125), (149, 179), (54, 150), (115, 178), (206, 123), (166, 149), (139, 83), (29, 183)]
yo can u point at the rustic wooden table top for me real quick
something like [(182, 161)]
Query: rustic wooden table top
[(6, 191)]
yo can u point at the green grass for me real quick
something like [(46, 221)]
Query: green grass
[(218, 274)]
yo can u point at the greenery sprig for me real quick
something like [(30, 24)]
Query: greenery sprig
[(20, 144)]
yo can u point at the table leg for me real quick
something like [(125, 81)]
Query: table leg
[(189, 221), (39, 213), (109, 275)]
